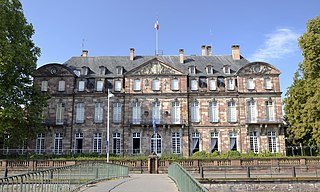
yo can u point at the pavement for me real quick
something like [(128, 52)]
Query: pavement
[(135, 183)]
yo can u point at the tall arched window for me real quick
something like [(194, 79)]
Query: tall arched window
[(156, 143)]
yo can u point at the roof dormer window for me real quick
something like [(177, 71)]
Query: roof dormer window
[(119, 70), (209, 70), (102, 70), (192, 70), (84, 71), (226, 69)]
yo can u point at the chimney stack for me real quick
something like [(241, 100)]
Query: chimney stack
[(235, 52), (203, 50), (209, 50), (131, 54), (181, 52), (84, 53)]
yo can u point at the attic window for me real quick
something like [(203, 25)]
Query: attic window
[(192, 70), (226, 69), (84, 71), (119, 70), (209, 69), (102, 70)]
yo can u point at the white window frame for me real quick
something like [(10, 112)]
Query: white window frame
[(231, 84), (136, 113), (250, 83), (176, 142), (195, 111), (213, 110), (58, 145), (267, 83), (214, 138), (209, 69), (232, 112), (192, 70), (44, 86), (97, 143), (252, 112), (80, 113), (175, 84), (226, 70), (117, 113), (117, 85), (233, 136), (99, 87), (272, 141), (98, 113), (156, 144), (212, 84), (195, 136), (136, 135), (40, 143), (270, 111), (62, 85), (254, 141), (175, 112), (156, 111), (194, 85), (81, 86), (136, 85), (155, 85), (60, 113), (116, 143)]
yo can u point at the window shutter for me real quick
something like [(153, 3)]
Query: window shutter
[(136, 85), (156, 85)]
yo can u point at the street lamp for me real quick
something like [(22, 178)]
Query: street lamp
[(108, 124)]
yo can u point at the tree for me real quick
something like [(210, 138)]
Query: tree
[(21, 103), (302, 102)]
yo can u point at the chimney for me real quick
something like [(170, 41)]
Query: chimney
[(203, 50), (131, 54), (181, 52), (235, 52), (209, 50), (84, 53)]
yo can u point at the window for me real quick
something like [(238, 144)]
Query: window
[(61, 86), (270, 111), (81, 86), (174, 84), (40, 143), (80, 113), (60, 114), (91, 83), (156, 85), (116, 112), (254, 145), (98, 113), (109, 84), (79, 143), (233, 141), (226, 70), (272, 141), (192, 70), (267, 83), (212, 85), (116, 143), (194, 85), (213, 112), (176, 143), (97, 142), (214, 141), (156, 112), (99, 85), (175, 112), (209, 70), (58, 143), (136, 85), (195, 142), (230, 84), (203, 82), (232, 112), (195, 112), (156, 145), (102, 70), (251, 111), (135, 143), (84, 70), (136, 113), (250, 83), (44, 86), (119, 70), (117, 85)]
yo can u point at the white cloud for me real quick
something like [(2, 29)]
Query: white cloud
[(277, 45)]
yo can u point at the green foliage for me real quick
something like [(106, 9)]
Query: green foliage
[(301, 105), (20, 102)]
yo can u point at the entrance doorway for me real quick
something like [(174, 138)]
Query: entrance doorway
[(79, 143)]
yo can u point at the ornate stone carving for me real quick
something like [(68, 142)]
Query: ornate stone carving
[(257, 69), (156, 68)]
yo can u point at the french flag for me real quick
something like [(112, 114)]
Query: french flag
[(156, 25)]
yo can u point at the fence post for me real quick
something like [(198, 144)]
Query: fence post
[(201, 172), (248, 172), (294, 171)]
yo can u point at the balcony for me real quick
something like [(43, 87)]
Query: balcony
[(264, 121), (52, 122)]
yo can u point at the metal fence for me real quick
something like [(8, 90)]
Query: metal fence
[(184, 181), (69, 178)]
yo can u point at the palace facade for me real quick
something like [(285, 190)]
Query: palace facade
[(163, 104)]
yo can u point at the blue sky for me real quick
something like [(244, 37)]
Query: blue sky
[(265, 30)]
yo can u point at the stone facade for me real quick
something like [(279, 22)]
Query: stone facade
[(163, 104)]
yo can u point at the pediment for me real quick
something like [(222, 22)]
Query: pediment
[(155, 67), (258, 68), (54, 70)]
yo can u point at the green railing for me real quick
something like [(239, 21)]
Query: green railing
[(184, 181), (69, 178)]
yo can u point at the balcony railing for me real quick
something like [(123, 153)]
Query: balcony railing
[(158, 122), (264, 120), (54, 122)]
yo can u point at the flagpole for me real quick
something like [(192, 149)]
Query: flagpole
[(156, 26), (157, 48)]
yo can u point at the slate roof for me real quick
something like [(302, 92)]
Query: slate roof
[(200, 62)]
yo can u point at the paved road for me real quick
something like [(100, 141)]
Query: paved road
[(136, 183)]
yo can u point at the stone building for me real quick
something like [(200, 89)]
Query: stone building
[(164, 104)]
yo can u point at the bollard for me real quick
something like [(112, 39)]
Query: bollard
[(294, 172), (201, 172), (248, 172)]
